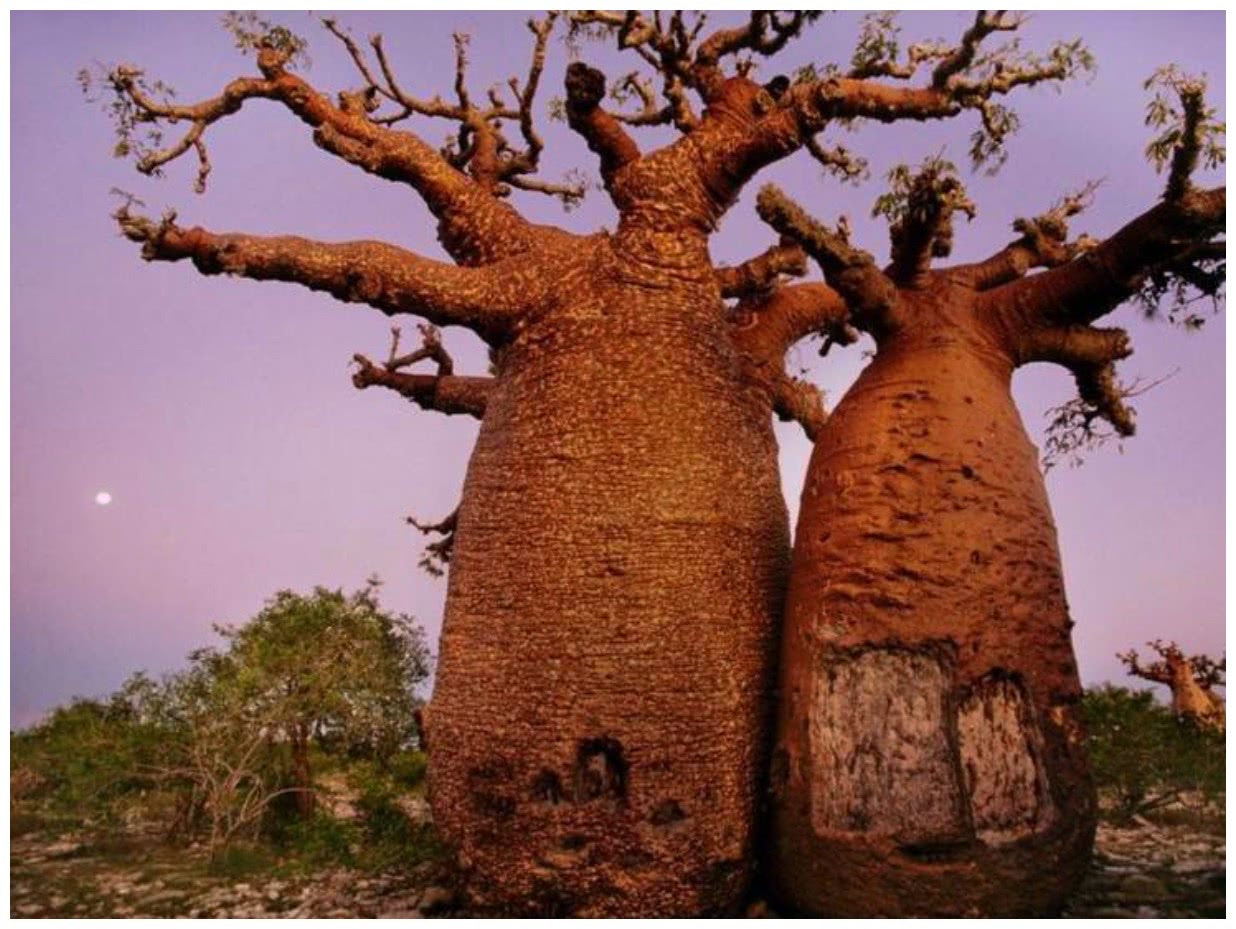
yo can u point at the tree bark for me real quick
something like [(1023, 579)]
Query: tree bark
[(929, 755), (302, 775), (600, 715)]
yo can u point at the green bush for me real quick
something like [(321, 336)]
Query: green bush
[(320, 840), (1143, 757), (407, 769)]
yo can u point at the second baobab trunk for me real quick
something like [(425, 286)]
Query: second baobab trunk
[(930, 753)]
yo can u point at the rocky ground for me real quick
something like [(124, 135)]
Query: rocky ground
[(1152, 871), (1146, 870)]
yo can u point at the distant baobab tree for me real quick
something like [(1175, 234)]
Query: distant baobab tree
[(1191, 680)]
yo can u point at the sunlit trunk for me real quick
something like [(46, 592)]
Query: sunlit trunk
[(930, 752), (599, 722)]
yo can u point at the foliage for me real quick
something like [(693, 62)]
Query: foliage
[(252, 33), (1143, 757), (211, 750), (332, 666)]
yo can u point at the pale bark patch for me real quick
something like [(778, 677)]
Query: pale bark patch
[(1001, 759), (882, 763)]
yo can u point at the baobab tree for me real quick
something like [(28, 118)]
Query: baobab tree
[(1192, 681), (929, 754), (618, 560)]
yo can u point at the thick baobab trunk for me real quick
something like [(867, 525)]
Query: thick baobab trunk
[(601, 710), (929, 756)]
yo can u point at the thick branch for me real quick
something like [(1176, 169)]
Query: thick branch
[(1106, 275), (797, 401), (761, 273), (475, 227), (487, 300), (764, 327), (851, 272), (449, 394), (604, 134)]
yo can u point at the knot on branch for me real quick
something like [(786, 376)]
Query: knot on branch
[(585, 87)]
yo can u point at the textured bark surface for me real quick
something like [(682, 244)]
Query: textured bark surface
[(602, 692), (929, 756)]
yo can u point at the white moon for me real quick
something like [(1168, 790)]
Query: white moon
[(102, 498)]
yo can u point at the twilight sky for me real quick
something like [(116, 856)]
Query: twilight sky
[(220, 416)]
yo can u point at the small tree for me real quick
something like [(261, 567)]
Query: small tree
[(1143, 757), (329, 666)]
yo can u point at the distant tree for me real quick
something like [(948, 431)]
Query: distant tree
[(1191, 680), (329, 666), (1144, 757)]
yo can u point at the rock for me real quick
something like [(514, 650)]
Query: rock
[(62, 849)]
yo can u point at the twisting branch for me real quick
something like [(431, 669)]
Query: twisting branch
[(444, 391), (868, 292), (481, 145), (763, 272), (985, 23), (437, 555), (475, 228)]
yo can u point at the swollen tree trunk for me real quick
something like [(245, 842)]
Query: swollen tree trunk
[(930, 752), (599, 716)]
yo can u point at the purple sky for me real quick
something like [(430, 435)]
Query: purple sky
[(220, 416)]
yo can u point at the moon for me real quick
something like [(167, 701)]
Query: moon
[(102, 498)]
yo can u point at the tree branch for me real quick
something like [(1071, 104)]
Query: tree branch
[(443, 392), (761, 273), (1104, 276), (488, 300), (852, 273), (585, 88), (1043, 244), (437, 555), (474, 227)]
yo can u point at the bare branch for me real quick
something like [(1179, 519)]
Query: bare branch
[(475, 228), (1043, 244), (763, 272), (870, 295), (437, 555), (443, 392), (488, 300)]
